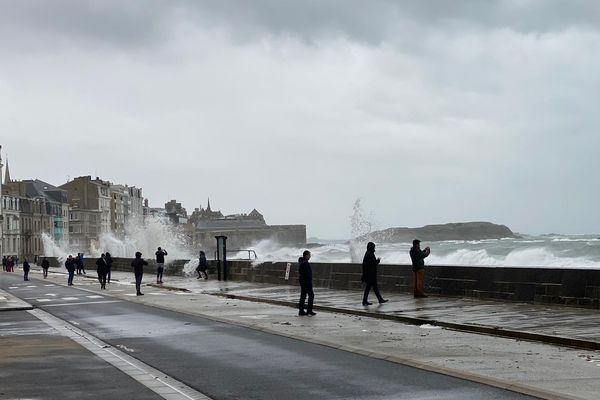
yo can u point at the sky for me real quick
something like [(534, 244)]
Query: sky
[(429, 112)]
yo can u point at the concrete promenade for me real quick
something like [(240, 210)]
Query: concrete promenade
[(536, 368)]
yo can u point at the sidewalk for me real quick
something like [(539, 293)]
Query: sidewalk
[(8, 302)]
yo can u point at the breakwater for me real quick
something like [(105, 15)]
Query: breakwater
[(570, 287)]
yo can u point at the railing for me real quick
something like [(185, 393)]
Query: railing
[(250, 252)]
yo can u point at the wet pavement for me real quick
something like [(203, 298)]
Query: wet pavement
[(546, 371)]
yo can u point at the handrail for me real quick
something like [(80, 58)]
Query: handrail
[(250, 251)]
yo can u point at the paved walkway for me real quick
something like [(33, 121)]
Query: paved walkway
[(568, 326)]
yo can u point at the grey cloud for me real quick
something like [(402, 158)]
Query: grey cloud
[(135, 23)]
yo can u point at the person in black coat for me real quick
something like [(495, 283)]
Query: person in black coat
[(109, 262), (306, 286), (102, 270), (369, 275), (45, 266), (202, 266), (70, 266), (417, 257), (138, 271), (26, 269)]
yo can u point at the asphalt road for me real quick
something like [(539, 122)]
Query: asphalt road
[(230, 362)]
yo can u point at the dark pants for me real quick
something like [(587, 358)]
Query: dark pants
[(45, 272), (306, 289), (138, 283), (71, 274), (102, 279), (159, 274), (372, 284), (26, 274), (202, 273), (419, 290), (108, 275)]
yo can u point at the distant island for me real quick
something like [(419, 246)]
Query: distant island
[(436, 233)]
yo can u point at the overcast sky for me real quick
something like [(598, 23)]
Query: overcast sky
[(430, 111)]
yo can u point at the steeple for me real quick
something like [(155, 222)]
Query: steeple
[(207, 207), (7, 173)]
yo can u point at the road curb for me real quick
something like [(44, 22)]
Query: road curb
[(481, 329)]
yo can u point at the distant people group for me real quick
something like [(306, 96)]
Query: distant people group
[(369, 276)]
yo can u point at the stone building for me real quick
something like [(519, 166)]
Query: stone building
[(1, 208), (90, 214), (11, 225)]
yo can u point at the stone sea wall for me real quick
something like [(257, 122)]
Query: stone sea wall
[(571, 287)]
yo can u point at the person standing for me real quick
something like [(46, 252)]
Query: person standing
[(138, 270), (109, 262), (306, 286), (4, 263), (26, 269), (70, 266), (417, 256), (202, 266), (102, 270), (369, 275), (10, 264), (160, 264), (45, 266), (78, 263)]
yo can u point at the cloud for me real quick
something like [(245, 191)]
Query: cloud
[(431, 111)]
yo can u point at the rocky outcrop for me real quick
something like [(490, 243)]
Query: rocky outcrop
[(453, 231)]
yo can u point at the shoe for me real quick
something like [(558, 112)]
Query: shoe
[(420, 296), (139, 294), (311, 314), (383, 301), (366, 303), (301, 313)]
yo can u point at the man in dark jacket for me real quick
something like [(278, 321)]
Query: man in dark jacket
[(369, 275), (138, 270), (109, 262), (102, 270), (26, 268), (70, 266), (306, 287), (417, 257), (160, 264), (45, 266)]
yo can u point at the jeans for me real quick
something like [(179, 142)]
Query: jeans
[(71, 274), (306, 289), (138, 282), (372, 284), (159, 272)]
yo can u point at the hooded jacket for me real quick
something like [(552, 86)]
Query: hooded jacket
[(138, 264), (369, 265)]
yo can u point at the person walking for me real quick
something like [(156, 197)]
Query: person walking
[(138, 270), (82, 263), (70, 266), (10, 264), (369, 275), (4, 263), (109, 262), (417, 256), (160, 264), (45, 266), (202, 266), (26, 269), (102, 270), (306, 286)]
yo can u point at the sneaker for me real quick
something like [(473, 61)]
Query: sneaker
[(383, 301), (366, 303), (139, 294), (310, 313), (301, 313)]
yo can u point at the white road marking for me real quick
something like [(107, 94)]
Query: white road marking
[(155, 380), (95, 297), (44, 300), (31, 286), (50, 284), (78, 304), (13, 287), (70, 298)]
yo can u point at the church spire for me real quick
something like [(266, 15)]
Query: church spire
[(7, 173), (207, 207)]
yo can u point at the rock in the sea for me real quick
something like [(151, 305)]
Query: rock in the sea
[(453, 231)]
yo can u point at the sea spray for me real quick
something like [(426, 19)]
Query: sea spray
[(361, 228)]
